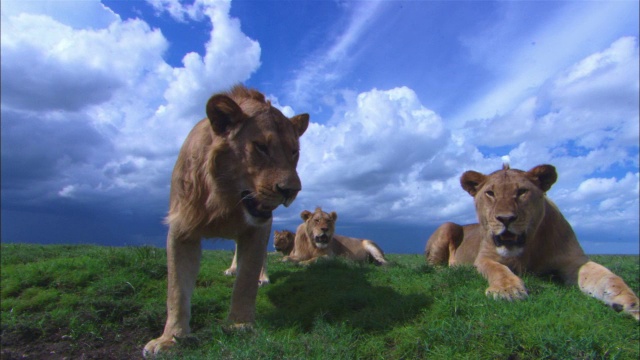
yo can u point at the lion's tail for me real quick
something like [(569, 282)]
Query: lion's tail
[(375, 253)]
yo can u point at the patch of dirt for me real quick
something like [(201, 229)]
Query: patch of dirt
[(125, 345)]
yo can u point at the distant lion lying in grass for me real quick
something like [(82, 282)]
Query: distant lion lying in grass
[(283, 241), (521, 231), (315, 238)]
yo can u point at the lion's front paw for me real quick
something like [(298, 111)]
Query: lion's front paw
[(628, 304), (157, 346), (263, 282), (508, 292), (230, 272)]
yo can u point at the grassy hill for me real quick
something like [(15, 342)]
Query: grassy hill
[(94, 302)]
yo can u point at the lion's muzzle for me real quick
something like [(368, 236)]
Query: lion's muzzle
[(254, 207), (322, 241), (509, 244), (288, 193), (507, 238)]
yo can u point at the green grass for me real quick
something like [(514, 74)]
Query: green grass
[(106, 303)]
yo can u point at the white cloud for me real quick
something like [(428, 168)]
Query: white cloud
[(525, 57), (181, 11), (231, 57), (78, 14), (108, 81), (589, 109), (389, 158)]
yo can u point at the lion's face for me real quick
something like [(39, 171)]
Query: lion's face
[(320, 226), (263, 149), (510, 204), (283, 241)]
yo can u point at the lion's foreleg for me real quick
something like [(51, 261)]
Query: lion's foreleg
[(251, 249), (264, 277), (234, 264), (183, 264), (503, 283), (231, 271), (598, 281)]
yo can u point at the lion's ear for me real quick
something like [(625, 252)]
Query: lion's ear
[(333, 216), (223, 112), (544, 176), (471, 182), (300, 123), (305, 215)]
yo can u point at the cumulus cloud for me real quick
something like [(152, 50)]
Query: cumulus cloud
[(388, 158), (95, 111), (592, 102)]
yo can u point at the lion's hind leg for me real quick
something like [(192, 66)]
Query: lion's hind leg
[(233, 269), (375, 253), (598, 281), (442, 244)]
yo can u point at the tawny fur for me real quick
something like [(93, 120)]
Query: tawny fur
[(283, 241), (322, 224), (521, 230), (235, 167)]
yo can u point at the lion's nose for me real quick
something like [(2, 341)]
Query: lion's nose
[(506, 219), (287, 192)]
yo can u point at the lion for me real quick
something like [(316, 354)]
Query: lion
[(234, 169), (315, 238), (520, 230), (282, 241)]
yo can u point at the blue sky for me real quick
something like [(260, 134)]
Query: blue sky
[(404, 96)]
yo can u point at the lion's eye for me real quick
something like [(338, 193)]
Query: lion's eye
[(262, 148), (317, 221), (489, 193), (521, 192)]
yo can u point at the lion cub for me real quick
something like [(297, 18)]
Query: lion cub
[(521, 230), (315, 238)]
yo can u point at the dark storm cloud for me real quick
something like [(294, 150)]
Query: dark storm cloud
[(33, 82), (38, 153)]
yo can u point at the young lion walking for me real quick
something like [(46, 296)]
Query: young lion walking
[(235, 167)]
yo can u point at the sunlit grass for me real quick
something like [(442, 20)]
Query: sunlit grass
[(330, 310)]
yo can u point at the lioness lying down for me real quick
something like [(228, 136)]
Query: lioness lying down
[(316, 238), (521, 231), (235, 167)]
